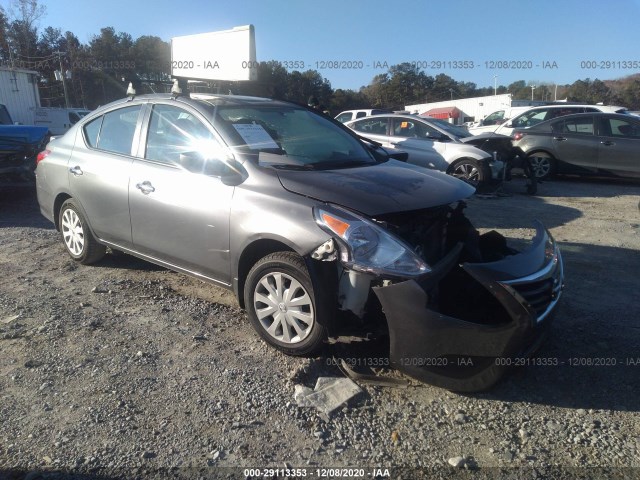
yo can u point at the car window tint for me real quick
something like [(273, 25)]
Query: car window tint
[(494, 119), (561, 112), (91, 131), (345, 117), (118, 128), (583, 126), (177, 137), (622, 128), (372, 126), (361, 114), (411, 129), (530, 118)]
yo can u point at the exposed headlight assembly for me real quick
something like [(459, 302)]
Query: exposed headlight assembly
[(367, 247)]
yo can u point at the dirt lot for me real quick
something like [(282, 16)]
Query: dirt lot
[(127, 370)]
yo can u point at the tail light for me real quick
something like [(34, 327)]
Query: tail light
[(42, 155), (518, 136)]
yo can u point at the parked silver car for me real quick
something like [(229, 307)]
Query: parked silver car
[(430, 143), (307, 224), (585, 143)]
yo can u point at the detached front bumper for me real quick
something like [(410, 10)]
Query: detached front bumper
[(468, 346)]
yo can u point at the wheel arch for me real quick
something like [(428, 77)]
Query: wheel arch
[(457, 161), (540, 150), (553, 160), (57, 206), (483, 166), (250, 256)]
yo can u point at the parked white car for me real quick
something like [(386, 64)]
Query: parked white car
[(430, 143), (495, 119), (534, 115), (349, 115)]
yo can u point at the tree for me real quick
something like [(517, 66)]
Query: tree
[(23, 30), (4, 39)]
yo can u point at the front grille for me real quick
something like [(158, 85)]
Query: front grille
[(541, 293)]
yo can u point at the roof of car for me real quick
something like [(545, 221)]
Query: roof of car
[(544, 124), (607, 108)]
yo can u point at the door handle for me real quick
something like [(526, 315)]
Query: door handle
[(77, 171), (395, 144), (608, 143), (560, 139), (145, 187)]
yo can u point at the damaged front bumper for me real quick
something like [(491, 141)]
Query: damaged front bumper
[(462, 325)]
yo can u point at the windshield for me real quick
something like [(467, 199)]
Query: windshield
[(286, 136)]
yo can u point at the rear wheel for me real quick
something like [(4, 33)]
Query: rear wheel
[(542, 164), (470, 171), (282, 305), (76, 236)]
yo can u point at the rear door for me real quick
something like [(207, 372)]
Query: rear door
[(619, 145), (574, 141), (99, 171), (179, 205), (422, 143)]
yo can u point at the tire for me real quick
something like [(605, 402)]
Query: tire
[(542, 164), (77, 237), (470, 171), (295, 325)]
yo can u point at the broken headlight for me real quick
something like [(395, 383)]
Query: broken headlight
[(367, 247)]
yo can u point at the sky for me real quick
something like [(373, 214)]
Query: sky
[(486, 42)]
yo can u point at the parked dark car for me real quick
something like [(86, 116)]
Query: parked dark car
[(585, 143), (308, 224), (19, 146)]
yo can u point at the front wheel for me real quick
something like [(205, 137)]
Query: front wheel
[(542, 164), (470, 171), (76, 236), (282, 304)]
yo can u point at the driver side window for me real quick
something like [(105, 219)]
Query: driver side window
[(177, 137)]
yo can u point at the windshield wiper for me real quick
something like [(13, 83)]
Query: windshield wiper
[(331, 164), (290, 166)]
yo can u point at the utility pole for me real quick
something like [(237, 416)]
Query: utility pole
[(495, 85), (62, 75), (533, 87)]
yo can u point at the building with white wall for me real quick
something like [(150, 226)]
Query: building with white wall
[(463, 110)]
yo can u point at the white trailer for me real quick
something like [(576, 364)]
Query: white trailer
[(19, 93)]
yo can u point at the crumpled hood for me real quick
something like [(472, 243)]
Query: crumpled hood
[(383, 188)]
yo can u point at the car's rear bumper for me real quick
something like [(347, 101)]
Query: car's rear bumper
[(471, 354)]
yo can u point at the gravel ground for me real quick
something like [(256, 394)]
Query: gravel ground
[(127, 370)]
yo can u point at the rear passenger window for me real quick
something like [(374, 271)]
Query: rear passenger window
[(91, 131), (113, 131), (118, 128), (375, 126), (582, 126)]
